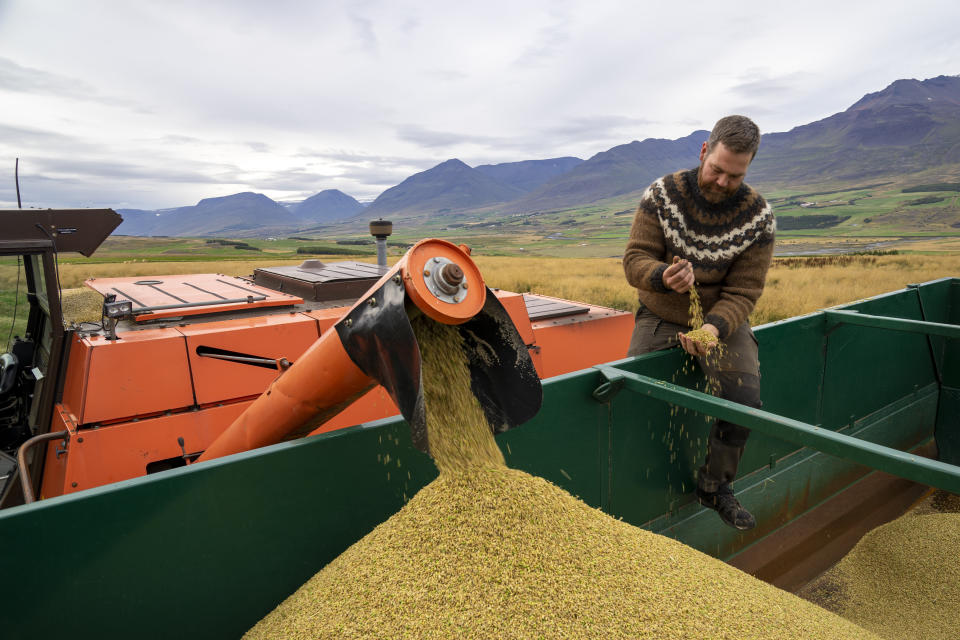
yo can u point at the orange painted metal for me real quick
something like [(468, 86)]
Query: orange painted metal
[(580, 341), (375, 404), (322, 382), (273, 337), (325, 380), (144, 372), (77, 376), (208, 288), (55, 463), (95, 457), (415, 268), (517, 310)]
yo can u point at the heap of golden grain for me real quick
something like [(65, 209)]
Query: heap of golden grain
[(485, 551), (902, 580)]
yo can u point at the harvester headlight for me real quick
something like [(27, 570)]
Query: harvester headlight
[(118, 310)]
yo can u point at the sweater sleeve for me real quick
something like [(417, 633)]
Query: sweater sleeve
[(742, 286), (643, 259)]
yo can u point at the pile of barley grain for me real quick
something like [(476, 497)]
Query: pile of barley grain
[(902, 580), (497, 553), (81, 305), (490, 552)]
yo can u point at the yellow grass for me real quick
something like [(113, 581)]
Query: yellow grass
[(794, 291), (791, 290)]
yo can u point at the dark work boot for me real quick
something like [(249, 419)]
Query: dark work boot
[(724, 503)]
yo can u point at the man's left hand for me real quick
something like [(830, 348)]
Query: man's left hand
[(695, 348)]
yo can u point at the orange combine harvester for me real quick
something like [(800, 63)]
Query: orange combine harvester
[(192, 367)]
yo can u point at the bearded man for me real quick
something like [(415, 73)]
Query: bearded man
[(705, 227)]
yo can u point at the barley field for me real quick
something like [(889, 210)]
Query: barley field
[(795, 286)]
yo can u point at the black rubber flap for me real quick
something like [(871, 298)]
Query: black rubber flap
[(379, 339), (502, 375)]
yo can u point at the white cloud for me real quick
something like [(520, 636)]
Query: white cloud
[(162, 104)]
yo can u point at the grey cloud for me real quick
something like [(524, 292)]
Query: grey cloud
[(13, 136), (15, 77), (547, 43), (589, 129), (755, 110), (759, 84), (363, 29), (411, 24), (597, 128), (446, 75), (174, 138), (358, 158), (433, 139), (290, 180), (380, 176), (113, 170)]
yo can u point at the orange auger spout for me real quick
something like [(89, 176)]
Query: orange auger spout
[(374, 343)]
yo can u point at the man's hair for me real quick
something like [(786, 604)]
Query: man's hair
[(739, 134)]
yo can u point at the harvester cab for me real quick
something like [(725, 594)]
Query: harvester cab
[(31, 373), (374, 343)]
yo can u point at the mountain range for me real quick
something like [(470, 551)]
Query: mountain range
[(908, 127)]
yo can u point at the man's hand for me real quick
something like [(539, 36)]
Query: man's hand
[(679, 275), (696, 347)]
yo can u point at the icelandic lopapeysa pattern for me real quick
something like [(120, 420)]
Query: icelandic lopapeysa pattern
[(710, 235)]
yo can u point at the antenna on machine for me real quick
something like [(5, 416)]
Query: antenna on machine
[(16, 179)]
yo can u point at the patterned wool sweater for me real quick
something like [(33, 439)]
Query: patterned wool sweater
[(729, 244)]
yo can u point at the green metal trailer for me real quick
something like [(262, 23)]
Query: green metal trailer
[(207, 550)]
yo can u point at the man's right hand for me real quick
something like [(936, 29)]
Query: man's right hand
[(679, 275)]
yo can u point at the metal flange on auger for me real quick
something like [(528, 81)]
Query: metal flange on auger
[(374, 344)]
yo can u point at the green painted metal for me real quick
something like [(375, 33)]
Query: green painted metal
[(798, 482), (205, 551), (947, 431), (915, 468), (897, 324)]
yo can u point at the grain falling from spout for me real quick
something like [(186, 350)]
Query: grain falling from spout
[(458, 434)]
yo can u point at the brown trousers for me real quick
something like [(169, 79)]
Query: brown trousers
[(735, 376)]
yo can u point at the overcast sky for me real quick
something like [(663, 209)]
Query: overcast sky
[(159, 104)]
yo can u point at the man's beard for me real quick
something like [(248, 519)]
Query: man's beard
[(710, 191)]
